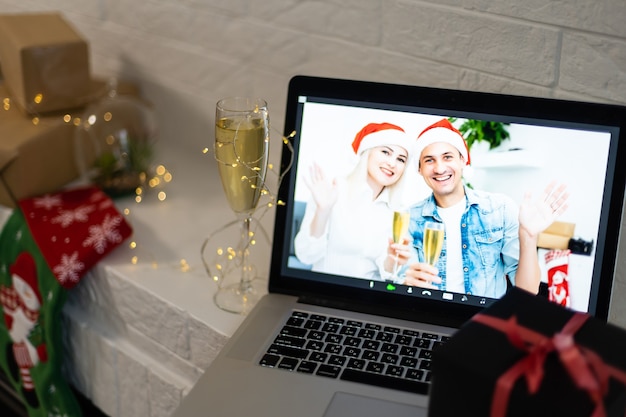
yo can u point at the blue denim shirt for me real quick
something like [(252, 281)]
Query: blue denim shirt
[(490, 240)]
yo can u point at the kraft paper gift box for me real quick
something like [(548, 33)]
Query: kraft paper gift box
[(525, 356), (34, 158), (556, 236), (45, 62)]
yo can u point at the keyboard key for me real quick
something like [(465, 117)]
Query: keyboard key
[(413, 333), (375, 367), (295, 321), (387, 381), (389, 329), (356, 363), (312, 324), (269, 360), (352, 352), (349, 330), (408, 351), (371, 344), (337, 360), (367, 333), (318, 356), (370, 355), (336, 320), (314, 345), (316, 335), (389, 348), (394, 370), (307, 367), (416, 374), (318, 317), (403, 339), (334, 338), (408, 362), (354, 323), (425, 354), (422, 343), (389, 358), (328, 371), (288, 364), (290, 341), (330, 327), (333, 348), (352, 341), (373, 326), (385, 337), (431, 336), (293, 331), (288, 351)]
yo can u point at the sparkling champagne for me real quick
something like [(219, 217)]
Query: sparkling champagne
[(433, 242), (400, 225), (242, 150)]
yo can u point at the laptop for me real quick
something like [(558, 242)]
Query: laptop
[(279, 363)]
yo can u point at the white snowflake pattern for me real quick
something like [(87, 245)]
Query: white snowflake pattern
[(67, 217), (47, 201), (97, 196), (69, 269), (105, 204), (101, 235)]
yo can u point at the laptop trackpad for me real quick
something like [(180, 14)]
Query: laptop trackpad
[(344, 404)]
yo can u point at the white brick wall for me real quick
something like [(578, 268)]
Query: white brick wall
[(187, 53)]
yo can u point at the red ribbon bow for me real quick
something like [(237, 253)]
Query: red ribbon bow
[(586, 369)]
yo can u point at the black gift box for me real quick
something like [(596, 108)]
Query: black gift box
[(465, 370)]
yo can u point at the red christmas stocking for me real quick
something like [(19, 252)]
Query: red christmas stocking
[(46, 247), (557, 262)]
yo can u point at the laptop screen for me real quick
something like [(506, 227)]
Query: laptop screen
[(359, 162)]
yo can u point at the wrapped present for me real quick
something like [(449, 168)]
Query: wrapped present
[(556, 236), (36, 156), (526, 356), (45, 62)]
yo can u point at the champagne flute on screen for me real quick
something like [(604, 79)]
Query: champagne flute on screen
[(242, 152), (399, 230), (433, 241)]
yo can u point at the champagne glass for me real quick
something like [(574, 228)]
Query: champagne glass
[(399, 229), (433, 241), (242, 151)]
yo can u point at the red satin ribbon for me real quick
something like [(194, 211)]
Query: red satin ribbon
[(586, 369)]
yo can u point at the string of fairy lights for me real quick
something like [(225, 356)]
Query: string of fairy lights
[(154, 183), (225, 255)]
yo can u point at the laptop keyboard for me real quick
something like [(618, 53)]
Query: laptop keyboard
[(357, 351)]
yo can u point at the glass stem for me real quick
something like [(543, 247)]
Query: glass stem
[(246, 269)]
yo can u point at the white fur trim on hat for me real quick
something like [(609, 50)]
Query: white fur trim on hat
[(441, 133), (385, 138)]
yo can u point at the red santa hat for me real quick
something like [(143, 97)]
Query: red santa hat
[(380, 134), (24, 267), (442, 131)]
